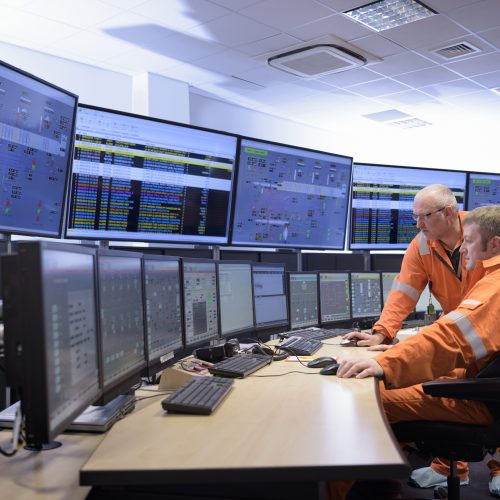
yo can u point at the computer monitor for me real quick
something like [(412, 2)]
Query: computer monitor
[(387, 280), (382, 203), (303, 299), (290, 197), (145, 179), (334, 297), (482, 189), (366, 294), (424, 300), (269, 292), (37, 122), (162, 310), (235, 297), (121, 321), (51, 343), (199, 280)]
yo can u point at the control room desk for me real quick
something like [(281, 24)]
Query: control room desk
[(293, 427)]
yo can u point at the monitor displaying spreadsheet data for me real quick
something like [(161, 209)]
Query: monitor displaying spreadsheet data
[(382, 203)]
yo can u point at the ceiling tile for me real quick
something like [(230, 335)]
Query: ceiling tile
[(409, 97), (142, 61), (492, 36), (350, 77), (479, 16), (232, 30), (343, 5), (267, 76), (401, 63), (490, 80), (442, 6), (476, 65), (427, 76), (124, 4), (284, 14), (235, 5), (377, 45), (228, 62), (378, 88), (449, 89), (269, 44)]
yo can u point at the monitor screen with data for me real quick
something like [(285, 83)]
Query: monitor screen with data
[(235, 297), (162, 306), (199, 279), (366, 294), (139, 178), (37, 121), (121, 319), (334, 297), (382, 203), (290, 197), (387, 280), (269, 293), (303, 299), (482, 189)]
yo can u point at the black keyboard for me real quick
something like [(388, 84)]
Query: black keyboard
[(319, 333), (299, 346), (200, 395), (240, 366)]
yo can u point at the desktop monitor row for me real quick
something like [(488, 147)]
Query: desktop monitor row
[(101, 174)]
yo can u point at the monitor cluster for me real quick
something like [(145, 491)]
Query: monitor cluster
[(85, 172)]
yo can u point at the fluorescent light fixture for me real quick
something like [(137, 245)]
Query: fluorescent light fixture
[(385, 14)]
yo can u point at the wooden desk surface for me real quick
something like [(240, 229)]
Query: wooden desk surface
[(301, 425)]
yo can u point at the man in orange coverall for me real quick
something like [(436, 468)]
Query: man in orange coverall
[(464, 338)]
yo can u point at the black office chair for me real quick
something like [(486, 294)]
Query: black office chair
[(454, 441)]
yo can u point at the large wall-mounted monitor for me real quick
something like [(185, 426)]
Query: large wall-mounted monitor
[(290, 197), (51, 343), (303, 300), (366, 294), (121, 321), (482, 189), (37, 122), (269, 292), (162, 309), (382, 203), (235, 297), (143, 179), (199, 279), (334, 297)]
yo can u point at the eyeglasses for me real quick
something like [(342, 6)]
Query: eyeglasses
[(415, 217)]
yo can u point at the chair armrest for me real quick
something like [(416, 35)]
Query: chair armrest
[(480, 389)]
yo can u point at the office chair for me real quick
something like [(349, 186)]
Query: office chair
[(454, 441)]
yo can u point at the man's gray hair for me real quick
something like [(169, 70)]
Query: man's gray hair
[(439, 195)]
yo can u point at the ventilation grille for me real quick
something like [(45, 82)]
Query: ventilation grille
[(460, 49), (409, 123)]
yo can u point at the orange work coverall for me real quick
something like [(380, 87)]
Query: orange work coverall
[(464, 338), (424, 261)]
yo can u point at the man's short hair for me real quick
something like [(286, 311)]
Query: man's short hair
[(488, 220), (441, 195)]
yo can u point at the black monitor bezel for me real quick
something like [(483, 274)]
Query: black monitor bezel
[(34, 388), (278, 324), (289, 274), (69, 160), (390, 246), (236, 186), (467, 193), (126, 382), (368, 316), (324, 323), (241, 330), (141, 236), (206, 340), (161, 361)]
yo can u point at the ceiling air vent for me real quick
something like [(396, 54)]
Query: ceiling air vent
[(317, 60), (459, 49)]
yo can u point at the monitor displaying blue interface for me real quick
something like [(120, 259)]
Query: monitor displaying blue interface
[(121, 316), (366, 294), (382, 203), (200, 301), (269, 293), (37, 122), (290, 197), (162, 306), (235, 297), (482, 189), (334, 297), (139, 178), (303, 299), (387, 280)]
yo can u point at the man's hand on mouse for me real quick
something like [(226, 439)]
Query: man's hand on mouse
[(360, 368), (365, 339)]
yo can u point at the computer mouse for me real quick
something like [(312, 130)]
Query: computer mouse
[(321, 362), (349, 342), (330, 369)]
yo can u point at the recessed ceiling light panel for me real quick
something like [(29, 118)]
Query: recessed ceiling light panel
[(385, 14)]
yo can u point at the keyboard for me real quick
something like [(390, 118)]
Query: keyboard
[(299, 346), (319, 333), (240, 366), (200, 396)]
